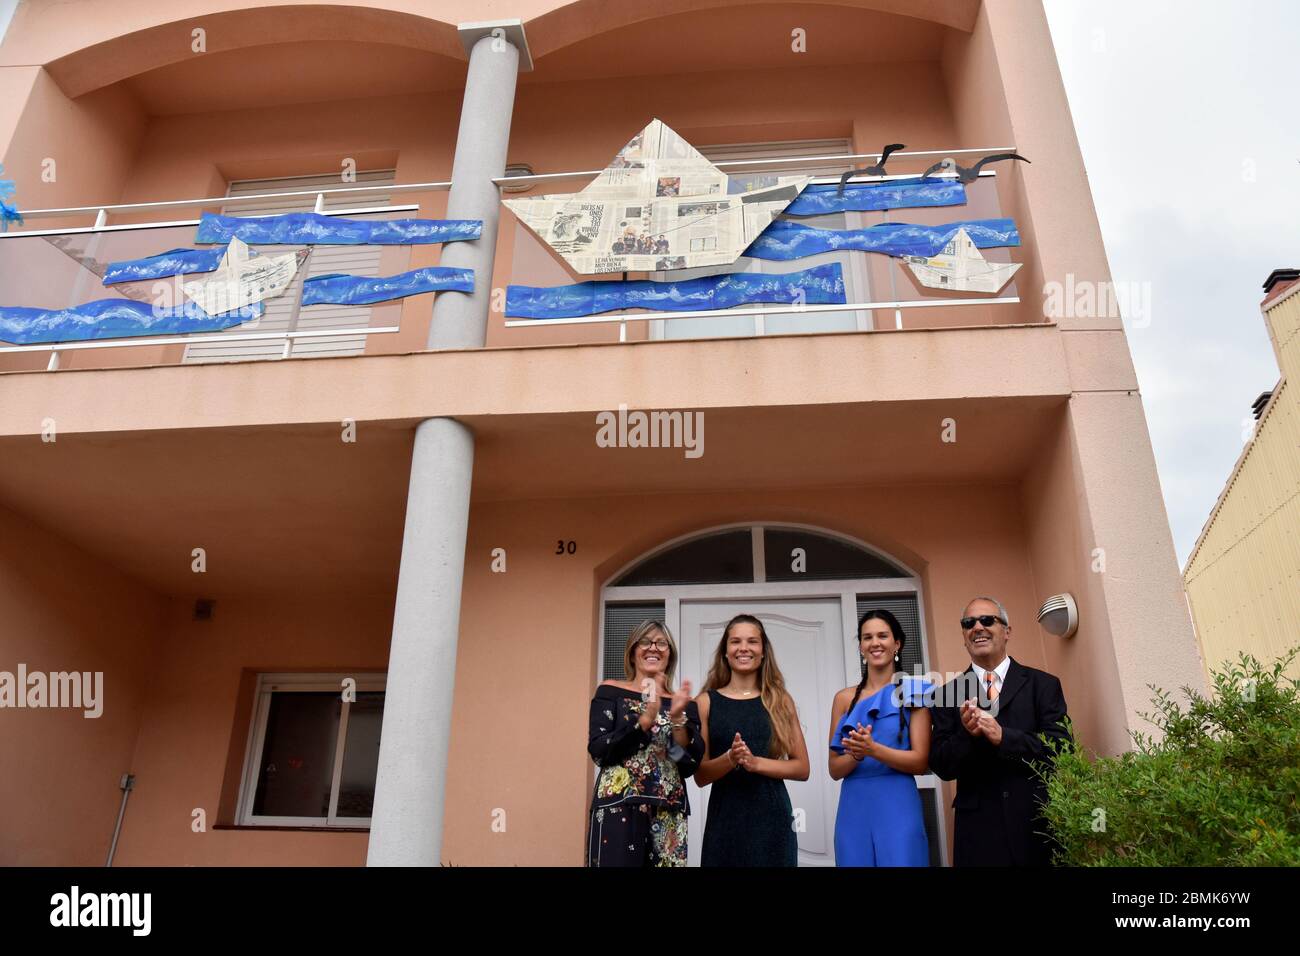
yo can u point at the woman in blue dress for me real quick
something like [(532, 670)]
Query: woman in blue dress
[(880, 738)]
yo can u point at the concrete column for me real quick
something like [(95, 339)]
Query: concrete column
[(406, 824), (410, 786), (459, 320)]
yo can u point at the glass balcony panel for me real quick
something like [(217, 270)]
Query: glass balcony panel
[(67, 269), (868, 277)]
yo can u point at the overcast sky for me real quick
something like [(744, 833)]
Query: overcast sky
[(1188, 116)]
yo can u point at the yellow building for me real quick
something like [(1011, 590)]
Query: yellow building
[(1243, 577)]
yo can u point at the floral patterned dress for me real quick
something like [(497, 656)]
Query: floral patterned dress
[(639, 806)]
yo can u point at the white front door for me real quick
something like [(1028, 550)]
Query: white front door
[(808, 638)]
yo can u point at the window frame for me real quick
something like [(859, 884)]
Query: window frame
[(273, 683)]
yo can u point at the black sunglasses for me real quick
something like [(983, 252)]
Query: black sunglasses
[(986, 619)]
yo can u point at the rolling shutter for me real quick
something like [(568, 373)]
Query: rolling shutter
[(620, 621), (785, 150), (353, 260)]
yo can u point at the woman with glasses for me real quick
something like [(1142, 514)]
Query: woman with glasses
[(880, 739), (646, 739), (755, 744)]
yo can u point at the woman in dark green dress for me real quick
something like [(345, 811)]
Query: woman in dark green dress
[(754, 744)]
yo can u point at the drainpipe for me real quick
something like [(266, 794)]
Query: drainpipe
[(126, 786)]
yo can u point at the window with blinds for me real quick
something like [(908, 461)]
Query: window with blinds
[(324, 260), (787, 149), (908, 611), (620, 621), (855, 277)]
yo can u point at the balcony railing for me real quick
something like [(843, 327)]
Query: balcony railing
[(879, 290), (86, 249)]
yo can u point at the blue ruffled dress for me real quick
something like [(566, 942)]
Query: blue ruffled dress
[(879, 822)]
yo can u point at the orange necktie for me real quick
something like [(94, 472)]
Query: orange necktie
[(990, 686)]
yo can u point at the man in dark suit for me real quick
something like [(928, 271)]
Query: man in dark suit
[(986, 726)]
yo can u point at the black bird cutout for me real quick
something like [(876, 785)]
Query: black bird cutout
[(877, 170), (969, 175)]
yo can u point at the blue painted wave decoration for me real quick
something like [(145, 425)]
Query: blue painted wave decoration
[(173, 262), (363, 290), (8, 211), (784, 240), (113, 319), (309, 228), (817, 286), (822, 198)]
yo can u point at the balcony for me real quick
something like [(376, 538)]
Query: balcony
[(167, 126), (65, 266)]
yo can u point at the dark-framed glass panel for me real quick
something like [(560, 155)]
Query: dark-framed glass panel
[(620, 620), (823, 558), (908, 611), (723, 558)]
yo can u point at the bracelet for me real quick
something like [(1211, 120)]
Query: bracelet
[(677, 725)]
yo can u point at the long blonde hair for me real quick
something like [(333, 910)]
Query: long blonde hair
[(644, 629), (777, 700)]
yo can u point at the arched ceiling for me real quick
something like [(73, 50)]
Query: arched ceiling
[(304, 46)]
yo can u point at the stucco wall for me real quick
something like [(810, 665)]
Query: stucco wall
[(63, 610), (526, 664)]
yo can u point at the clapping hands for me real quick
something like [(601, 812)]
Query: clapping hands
[(859, 743), (740, 755), (681, 698), (980, 723), (650, 709)]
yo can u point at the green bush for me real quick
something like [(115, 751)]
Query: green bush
[(1219, 786)]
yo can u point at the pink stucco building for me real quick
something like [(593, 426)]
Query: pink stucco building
[(412, 495)]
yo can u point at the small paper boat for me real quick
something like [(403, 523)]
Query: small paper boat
[(961, 268), (243, 278), (658, 205)]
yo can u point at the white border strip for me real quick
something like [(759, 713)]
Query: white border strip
[(186, 339), (793, 310)]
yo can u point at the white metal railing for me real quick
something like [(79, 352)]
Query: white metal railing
[(107, 209), (760, 311), (846, 158)]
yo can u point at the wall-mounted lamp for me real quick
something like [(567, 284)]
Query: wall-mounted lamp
[(1059, 615)]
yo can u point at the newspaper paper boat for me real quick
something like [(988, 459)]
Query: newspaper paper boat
[(243, 277), (658, 205), (961, 268)]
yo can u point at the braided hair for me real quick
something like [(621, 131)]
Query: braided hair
[(896, 629)]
